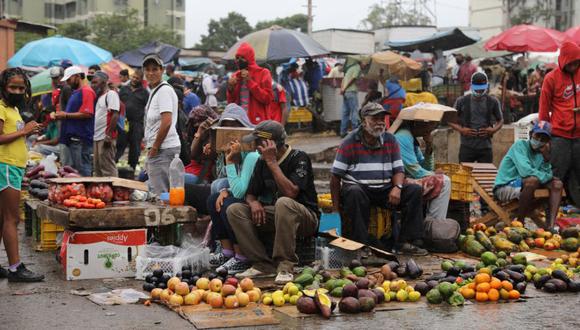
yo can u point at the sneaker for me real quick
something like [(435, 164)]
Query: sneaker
[(3, 272), (284, 277), (24, 275), (234, 266), (410, 249), (253, 273), (217, 259)]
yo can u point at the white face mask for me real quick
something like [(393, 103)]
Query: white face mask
[(536, 144)]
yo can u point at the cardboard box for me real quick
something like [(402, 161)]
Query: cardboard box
[(223, 136), (101, 254), (115, 182)]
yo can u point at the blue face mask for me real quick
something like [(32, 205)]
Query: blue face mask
[(536, 144)]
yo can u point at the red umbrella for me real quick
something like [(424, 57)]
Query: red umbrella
[(527, 38), (574, 34)]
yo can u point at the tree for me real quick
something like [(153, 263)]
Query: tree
[(393, 14), (294, 22), (22, 38), (77, 31), (522, 12), (225, 32)]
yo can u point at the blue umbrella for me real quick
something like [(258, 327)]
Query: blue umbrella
[(41, 52)]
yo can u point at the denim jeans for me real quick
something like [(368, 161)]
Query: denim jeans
[(81, 154), (349, 112), (218, 184), (190, 178)]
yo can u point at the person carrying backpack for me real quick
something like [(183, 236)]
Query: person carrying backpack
[(107, 112)]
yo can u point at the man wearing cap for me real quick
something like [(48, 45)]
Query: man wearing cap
[(368, 171), (479, 119), (281, 198), (124, 77), (349, 91), (161, 138), (77, 122), (106, 117), (525, 168)]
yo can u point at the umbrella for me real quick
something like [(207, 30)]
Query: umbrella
[(440, 40), (527, 38), (425, 112), (135, 57), (393, 64), (574, 34), (42, 84), (41, 52), (278, 44)]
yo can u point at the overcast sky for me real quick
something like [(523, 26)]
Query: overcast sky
[(327, 13)]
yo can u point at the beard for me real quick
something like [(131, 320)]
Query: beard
[(375, 131)]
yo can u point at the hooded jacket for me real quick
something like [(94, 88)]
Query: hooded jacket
[(259, 85), (561, 94)]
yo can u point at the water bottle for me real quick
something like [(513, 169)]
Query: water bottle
[(176, 182)]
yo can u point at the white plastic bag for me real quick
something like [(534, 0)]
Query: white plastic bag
[(49, 164)]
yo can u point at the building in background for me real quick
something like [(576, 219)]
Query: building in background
[(493, 16), (166, 13)]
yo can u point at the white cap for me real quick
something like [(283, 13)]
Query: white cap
[(71, 71)]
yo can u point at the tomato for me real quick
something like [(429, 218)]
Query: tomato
[(100, 205), (82, 198), (89, 206), (68, 203)]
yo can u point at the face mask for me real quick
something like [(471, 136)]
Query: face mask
[(14, 99), (479, 93), (90, 77), (242, 65), (536, 144)]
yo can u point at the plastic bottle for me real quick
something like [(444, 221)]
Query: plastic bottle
[(49, 164), (176, 182)]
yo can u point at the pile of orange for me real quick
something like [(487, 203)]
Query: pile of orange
[(488, 288)]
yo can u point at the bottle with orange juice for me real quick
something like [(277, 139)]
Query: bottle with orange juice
[(176, 182)]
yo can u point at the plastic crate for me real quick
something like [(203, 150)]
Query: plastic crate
[(306, 250), (198, 261), (48, 240), (333, 257), (461, 181), (299, 115), (378, 226)]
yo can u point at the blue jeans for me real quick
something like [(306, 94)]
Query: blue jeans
[(349, 112), (81, 156), (218, 184), (190, 178), (220, 227)]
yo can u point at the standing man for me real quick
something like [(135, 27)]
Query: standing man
[(161, 138), (465, 72), (349, 90), (251, 86), (560, 105), (91, 72), (479, 119), (135, 97), (106, 117), (210, 89), (78, 125), (368, 171)]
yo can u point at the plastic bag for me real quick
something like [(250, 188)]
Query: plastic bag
[(49, 164)]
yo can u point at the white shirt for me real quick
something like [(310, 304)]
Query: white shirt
[(161, 99), (210, 90), (106, 102)]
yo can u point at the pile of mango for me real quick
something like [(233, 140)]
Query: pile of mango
[(515, 238)]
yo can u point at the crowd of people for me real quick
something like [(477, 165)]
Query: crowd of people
[(262, 198)]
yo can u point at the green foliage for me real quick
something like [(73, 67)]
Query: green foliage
[(77, 31), (225, 32), (297, 21), (22, 38), (393, 14)]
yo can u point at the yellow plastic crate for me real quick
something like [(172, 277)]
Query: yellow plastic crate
[(461, 181), (48, 234), (299, 115)]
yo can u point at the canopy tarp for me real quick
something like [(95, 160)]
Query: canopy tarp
[(444, 40)]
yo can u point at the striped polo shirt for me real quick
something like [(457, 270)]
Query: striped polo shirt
[(358, 163)]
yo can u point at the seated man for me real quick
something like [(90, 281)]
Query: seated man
[(369, 166), (436, 185), (525, 168), (281, 198)]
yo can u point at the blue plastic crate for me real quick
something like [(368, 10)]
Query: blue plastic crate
[(330, 221)]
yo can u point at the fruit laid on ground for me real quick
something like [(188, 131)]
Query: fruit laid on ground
[(175, 300), (228, 290), (215, 300), (231, 302), (519, 259), (182, 288), (349, 305), (192, 298), (414, 296), (488, 258), (306, 305), (434, 296), (156, 293), (413, 269), (202, 283), (172, 282), (324, 304), (456, 299), (367, 304), (165, 294), (247, 284), (215, 285)]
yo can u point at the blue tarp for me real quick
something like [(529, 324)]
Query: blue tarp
[(135, 57), (444, 40)]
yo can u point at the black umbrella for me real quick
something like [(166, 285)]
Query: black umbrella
[(135, 57), (445, 40)]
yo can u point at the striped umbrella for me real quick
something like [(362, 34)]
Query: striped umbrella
[(277, 44)]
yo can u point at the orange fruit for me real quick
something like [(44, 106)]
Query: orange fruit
[(483, 287), (471, 285), (493, 295), (514, 294), (485, 270), (507, 285), (468, 293), (481, 296), (482, 278), (495, 283), (504, 294)]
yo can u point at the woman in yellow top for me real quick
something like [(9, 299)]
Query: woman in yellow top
[(14, 90)]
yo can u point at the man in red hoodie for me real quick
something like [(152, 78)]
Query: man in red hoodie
[(251, 86), (560, 105)]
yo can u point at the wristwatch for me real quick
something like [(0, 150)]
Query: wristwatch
[(400, 186)]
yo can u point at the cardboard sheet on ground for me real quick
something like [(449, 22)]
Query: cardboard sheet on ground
[(291, 311), (350, 245), (202, 316)]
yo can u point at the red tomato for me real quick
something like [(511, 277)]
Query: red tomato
[(100, 205)]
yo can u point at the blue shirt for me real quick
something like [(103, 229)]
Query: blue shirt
[(81, 100), (190, 101), (416, 165)]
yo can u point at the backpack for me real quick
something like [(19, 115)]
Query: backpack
[(441, 235), (121, 120), (491, 101)]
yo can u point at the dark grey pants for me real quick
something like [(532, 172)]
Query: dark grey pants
[(565, 159)]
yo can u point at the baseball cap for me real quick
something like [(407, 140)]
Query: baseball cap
[(66, 63), (154, 58), (479, 81), (542, 127), (269, 130), (55, 72), (71, 71), (371, 109)]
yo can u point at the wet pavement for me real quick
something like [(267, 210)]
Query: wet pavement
[(50, 305)]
